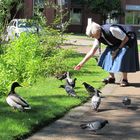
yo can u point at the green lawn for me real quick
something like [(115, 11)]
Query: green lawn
[(48, 101)]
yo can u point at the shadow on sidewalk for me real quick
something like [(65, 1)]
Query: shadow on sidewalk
[(135, 85)]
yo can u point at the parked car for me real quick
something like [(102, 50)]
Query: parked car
[(17, 26)]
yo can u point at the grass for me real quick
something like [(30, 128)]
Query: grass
[(48, 101)]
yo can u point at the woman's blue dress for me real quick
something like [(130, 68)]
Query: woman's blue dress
[(127, 59)]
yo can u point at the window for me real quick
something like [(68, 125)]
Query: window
[(61, 2), (75, 16), (11, 23), (39, 3), (132, 17)]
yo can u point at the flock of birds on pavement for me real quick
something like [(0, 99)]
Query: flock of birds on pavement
[(17, 102)]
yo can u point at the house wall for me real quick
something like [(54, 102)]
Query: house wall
[(96, 18), (50, 13), (28, 8)]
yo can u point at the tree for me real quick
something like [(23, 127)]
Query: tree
[(104, 7), (5, 12)]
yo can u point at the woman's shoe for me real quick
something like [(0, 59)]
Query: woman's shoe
[(124, 83), (109, 80)]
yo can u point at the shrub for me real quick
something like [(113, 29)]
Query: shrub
[(22, 60), (28, 57)]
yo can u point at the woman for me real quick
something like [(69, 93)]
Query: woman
[(121, 53)]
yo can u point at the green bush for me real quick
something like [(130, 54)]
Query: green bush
[(30, 56), (57, 63), (22, 60)]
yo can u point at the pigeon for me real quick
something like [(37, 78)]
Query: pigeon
[(15, 101), (70, 81), (96, 58), (61, 76), (95, 101), (90, 89), (95, 125), (70, 91), (126, 101)]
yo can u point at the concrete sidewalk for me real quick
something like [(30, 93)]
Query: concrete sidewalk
[(123, 124)]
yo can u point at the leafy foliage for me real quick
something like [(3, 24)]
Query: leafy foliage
[(5, 14), (30, 56), (21, 60)]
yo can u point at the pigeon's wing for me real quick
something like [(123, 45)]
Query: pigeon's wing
[(98, 91), (70, 90), (19, 100), (91, 89), (95, 125), (92, 126), (68, 82)]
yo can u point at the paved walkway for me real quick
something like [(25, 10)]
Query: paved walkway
[(123, 124)]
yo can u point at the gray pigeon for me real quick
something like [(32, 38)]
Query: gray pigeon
[(90, 89), (15, 100), (126, 101), (70, 81), (70, 91), (95, 101), (94, 126)]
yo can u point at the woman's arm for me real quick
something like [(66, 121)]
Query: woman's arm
[(88, 55), (118, 33)]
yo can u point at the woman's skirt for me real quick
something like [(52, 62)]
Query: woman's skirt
[(127, 59)]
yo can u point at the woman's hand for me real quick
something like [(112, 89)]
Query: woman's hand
[(114, 53), (78, 67)]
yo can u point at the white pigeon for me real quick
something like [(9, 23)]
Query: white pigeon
[(95, 101), (70, 81)]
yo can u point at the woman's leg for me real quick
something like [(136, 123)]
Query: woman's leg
[(111, 75), (124, 80), (110, 79), (124, 75)]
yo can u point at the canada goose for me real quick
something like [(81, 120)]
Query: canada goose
[(14, 100)]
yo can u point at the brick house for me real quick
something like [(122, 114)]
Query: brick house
[(79, 14)]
